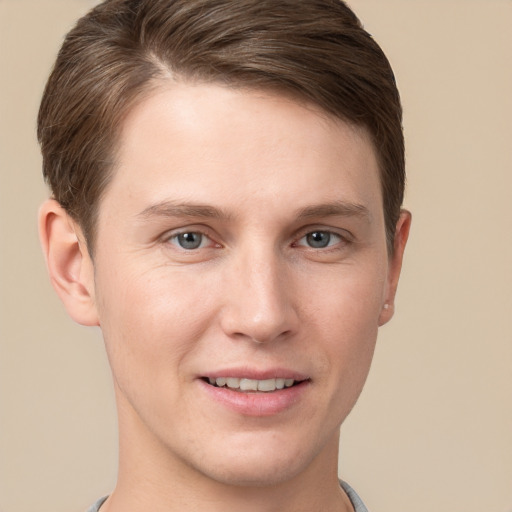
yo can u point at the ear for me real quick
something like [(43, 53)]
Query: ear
[(69, 264), (395, 265)]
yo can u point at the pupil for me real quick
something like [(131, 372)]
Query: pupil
[(190, 240), (318, 239)]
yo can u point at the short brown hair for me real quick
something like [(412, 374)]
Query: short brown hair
[(316, 50)]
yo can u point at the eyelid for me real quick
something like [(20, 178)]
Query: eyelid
[(202, 230), (343, 234), (330, 246)]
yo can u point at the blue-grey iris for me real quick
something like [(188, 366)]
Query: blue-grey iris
[(318, 239), (190, 240)]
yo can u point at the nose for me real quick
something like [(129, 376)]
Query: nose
[(258, 302)]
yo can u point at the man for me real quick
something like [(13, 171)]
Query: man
[(227, 182)]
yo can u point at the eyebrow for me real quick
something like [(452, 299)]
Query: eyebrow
[(171, 209), (334, 209)]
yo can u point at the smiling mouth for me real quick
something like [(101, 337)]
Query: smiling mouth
[(252, 385)]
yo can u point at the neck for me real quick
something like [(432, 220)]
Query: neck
[(151, 477)]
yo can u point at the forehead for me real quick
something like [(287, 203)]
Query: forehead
[(230, 147)]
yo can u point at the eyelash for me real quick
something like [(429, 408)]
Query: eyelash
[(204, 237), (174, 239), (324, 232)]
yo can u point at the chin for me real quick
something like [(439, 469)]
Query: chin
[(246, 475), (260, 466)]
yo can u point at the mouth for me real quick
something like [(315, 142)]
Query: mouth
[(245, 385), (256, 393)]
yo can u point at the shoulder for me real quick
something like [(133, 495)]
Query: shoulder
[(357, 503), (97, 505)]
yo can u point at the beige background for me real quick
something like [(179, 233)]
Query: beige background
[(433, 428)]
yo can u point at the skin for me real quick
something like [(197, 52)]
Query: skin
[(253, 174)]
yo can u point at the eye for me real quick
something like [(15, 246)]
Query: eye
[(190, 240), (320, 239)]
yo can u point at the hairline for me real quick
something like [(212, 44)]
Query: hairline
[(161, 82)]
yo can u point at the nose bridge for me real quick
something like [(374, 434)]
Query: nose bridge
[(259, 305)]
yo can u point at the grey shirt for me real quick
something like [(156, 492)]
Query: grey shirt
[(354, 498)]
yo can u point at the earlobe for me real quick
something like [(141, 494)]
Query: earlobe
[(68, 262), (395, 265)]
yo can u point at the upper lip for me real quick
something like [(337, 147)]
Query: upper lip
[(256, 374)]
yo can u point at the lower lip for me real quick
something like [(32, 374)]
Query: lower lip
[(254, 403)]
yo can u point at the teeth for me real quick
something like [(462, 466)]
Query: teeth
[(267, 385), (231, 382), (221, 381), (243, 384), (248, 385)]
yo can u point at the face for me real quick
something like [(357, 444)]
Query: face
[(240, 276)]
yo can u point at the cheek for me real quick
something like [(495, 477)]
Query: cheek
[(345, 316), (150, 323), (347, 301), (351, 333)]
